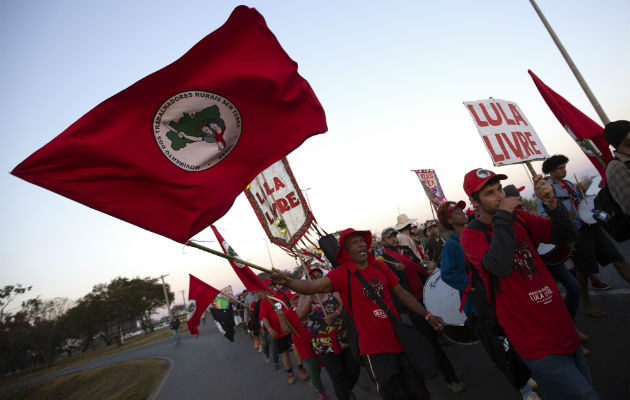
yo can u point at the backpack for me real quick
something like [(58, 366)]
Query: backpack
[(618, 225)]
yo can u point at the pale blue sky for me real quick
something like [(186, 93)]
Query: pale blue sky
[(391, 77)]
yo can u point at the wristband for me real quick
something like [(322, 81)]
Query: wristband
[(429, 315)]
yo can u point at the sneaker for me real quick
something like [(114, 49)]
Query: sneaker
[(260, 349), (532, 396), (322, 396), (267, 360), (291, 378), (276, 366), (457, 386), (596, 284), (532, 383)]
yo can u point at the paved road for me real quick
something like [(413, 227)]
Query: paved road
[(212, 367)]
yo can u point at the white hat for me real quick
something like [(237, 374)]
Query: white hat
[(403, 220)]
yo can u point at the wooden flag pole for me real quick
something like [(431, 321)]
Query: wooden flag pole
[(531, 169), (576, 72), (291, 327), (222, 255)]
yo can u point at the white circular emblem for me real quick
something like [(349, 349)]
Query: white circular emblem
[(483, 173), (190, 310), (197, 129)]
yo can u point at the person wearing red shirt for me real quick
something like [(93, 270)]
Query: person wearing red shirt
[(269, 320), (529, 306), (379, 346), (302, 344), (412, 276)]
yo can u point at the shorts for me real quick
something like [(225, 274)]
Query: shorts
[(282, 344), (592, 247)]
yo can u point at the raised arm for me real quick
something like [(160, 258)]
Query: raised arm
[(321, 285)]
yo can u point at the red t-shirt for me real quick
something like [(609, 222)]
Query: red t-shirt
[(302, 343), (267, 311), (375, 328), (529, 308)]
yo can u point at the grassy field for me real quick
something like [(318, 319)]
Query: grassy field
[(90, 355), (129, 380)]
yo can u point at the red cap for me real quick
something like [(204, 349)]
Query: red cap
[(477, 178), (367, 236)]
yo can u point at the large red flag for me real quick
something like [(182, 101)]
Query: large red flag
[(251, 281), (581, 128), (171, 152), (200, 296)]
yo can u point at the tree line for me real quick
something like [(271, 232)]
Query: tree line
[(41, 331)]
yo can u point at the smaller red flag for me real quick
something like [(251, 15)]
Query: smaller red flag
[(200, 296), (580, 127), (251, 281)]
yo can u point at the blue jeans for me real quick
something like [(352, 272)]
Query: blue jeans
[(563, 376), (574, 292), (176, 336)]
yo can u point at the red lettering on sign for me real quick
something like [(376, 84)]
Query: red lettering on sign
[(515, 146), (516, 115), (278, 183), (283, 205), (293, 201), (267, 189), (509, 121), (274, 214), (495, 157), (524, 142), (505, 152), (493, 122), (477, 120), (261, 200), (531, 142)]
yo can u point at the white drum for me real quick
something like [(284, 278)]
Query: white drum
[(443, 300), (585, 210)]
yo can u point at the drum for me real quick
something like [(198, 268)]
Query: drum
[(553, 254), (585, 210), (443, 300)]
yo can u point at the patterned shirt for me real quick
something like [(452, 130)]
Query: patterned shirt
[(618, 177)]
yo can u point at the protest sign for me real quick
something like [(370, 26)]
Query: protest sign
[(506, 132), (279, 205), (431, 185)]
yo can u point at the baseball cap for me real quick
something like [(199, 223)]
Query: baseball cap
[(513, 191), (387, 232), (477, 178)]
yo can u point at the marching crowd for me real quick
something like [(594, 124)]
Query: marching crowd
[(359, 313)]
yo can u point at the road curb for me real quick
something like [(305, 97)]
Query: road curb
[(158, 387)]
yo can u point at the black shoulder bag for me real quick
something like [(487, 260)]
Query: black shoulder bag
[(351, 329), (417, 348)]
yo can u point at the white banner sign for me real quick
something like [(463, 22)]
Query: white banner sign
[(505, 131), (279, 205)]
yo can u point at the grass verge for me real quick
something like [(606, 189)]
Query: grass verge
[(128, 380), (89, 356)]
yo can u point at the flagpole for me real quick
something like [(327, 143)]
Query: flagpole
[(219, 254), (600, 112)]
